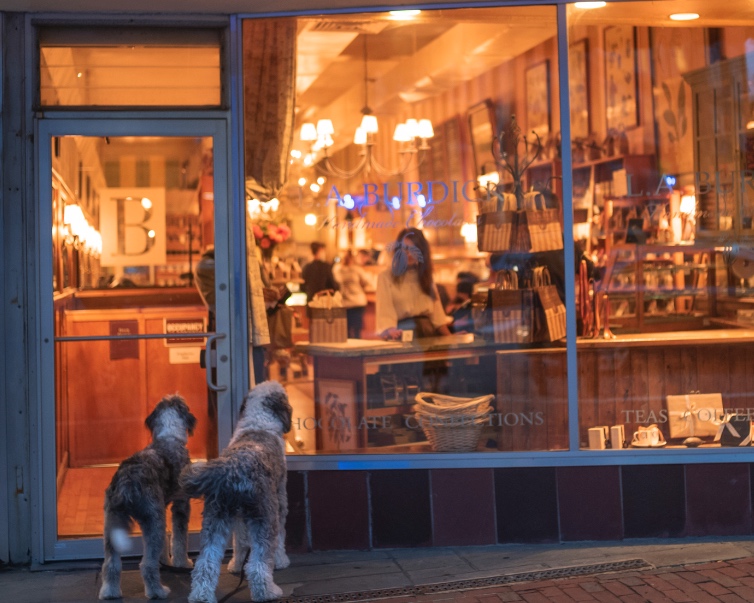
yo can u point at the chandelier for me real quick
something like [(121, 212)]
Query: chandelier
[(412, 136)]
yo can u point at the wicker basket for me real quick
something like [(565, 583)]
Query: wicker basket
[(454, 436), (439, 404)]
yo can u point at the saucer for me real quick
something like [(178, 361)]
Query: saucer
[(658, 445)]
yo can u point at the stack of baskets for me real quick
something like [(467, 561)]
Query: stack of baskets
[(452, 424)]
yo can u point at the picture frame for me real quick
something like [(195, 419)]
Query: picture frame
[(578, 75), (538, 99), (483, 129), (337, 415), (621, 90)]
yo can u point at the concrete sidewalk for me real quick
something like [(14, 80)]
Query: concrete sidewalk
[(703, 570)]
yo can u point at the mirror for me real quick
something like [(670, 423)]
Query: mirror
[(483, 129)]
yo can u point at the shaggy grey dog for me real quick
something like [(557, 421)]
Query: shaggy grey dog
[(140, 490), (245, 489)]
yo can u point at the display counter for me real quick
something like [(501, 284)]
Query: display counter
[(621, 381)]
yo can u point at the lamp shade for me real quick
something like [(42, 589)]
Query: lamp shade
[(325, 127), (425, 129), (308, 132), (360, 136), (369, 123), (401, 133)]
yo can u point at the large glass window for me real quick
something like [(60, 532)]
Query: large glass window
[(405, 224), (661, 122)]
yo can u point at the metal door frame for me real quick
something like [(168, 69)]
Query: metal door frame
[(230, 286)]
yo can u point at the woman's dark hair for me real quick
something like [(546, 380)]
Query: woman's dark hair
[(424, 268), (348, 258)]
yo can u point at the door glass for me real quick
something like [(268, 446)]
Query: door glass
[(131, 219)]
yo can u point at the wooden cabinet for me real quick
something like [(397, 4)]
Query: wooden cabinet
[(660, 287), (722, 105), (111, 386)]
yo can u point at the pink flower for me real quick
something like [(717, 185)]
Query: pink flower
[(284, 232), (258, 234), (265, 243)]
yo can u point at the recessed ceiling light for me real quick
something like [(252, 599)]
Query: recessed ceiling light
[(684, 16), (588, 5), (403, 15)]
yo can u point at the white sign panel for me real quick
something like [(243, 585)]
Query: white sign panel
[(132, 222)]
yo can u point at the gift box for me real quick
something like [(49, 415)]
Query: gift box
[(734, 430), (695, 414)]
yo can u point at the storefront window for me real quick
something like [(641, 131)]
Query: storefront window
[(121, 67), (662, 190), (408, 165)]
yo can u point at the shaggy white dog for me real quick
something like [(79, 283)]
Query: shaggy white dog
[(245, 488)]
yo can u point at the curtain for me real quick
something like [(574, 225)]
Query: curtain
[(269, 67)]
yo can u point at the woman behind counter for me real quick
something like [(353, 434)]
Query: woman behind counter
[(407, 297)]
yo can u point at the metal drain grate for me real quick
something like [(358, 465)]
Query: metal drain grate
[(456, 585)]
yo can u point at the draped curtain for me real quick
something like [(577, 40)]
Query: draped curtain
[(269, 68)]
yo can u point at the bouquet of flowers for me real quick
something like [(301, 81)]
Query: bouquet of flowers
[(268, 233)]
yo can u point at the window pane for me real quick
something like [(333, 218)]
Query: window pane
[(106, 67), (662, 181), (431, 350)]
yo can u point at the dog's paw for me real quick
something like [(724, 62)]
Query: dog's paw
[(159, 593), (110, 591), (269, 592), (200, 597), (235, 565), (184, 563), (281, 560)]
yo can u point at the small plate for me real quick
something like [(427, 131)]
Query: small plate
[(660, 445)]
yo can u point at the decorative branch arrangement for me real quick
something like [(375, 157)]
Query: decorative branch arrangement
[(506, 149)]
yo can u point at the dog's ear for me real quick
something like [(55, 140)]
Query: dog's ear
[(190, 423), (150, 421), (277, 402)]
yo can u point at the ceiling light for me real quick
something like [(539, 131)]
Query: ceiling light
[(403, 15), (684, 16), (588, 5), (412, 137)]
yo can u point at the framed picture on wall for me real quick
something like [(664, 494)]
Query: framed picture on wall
[(538, 99), (622, 108), (482, 131), (578, 75)]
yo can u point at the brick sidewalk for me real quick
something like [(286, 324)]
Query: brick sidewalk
[(726, 581)]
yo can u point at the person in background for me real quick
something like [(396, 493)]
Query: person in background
[(460, 308), (317, 274), (407, 297), (353, 282)]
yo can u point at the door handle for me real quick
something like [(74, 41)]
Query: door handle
[(211, 361)]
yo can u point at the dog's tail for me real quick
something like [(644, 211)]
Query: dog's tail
[(197, 479), (218, 482), (117, 531)]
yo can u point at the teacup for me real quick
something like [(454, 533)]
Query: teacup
[(647, 436)]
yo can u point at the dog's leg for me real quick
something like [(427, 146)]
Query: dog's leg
[(263, 533), (111, 568), (207, 567), (153, 535), (281, 559), (240, 546), (181, 511)]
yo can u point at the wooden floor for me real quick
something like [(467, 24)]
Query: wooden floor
[(81, 501)]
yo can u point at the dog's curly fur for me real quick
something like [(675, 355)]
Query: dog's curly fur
[(140, 491), (245, 489)]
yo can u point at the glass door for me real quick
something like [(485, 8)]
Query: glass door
[(136, 303)]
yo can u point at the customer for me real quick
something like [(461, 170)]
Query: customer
[(407, 296), (317, 274), (353, 282)]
